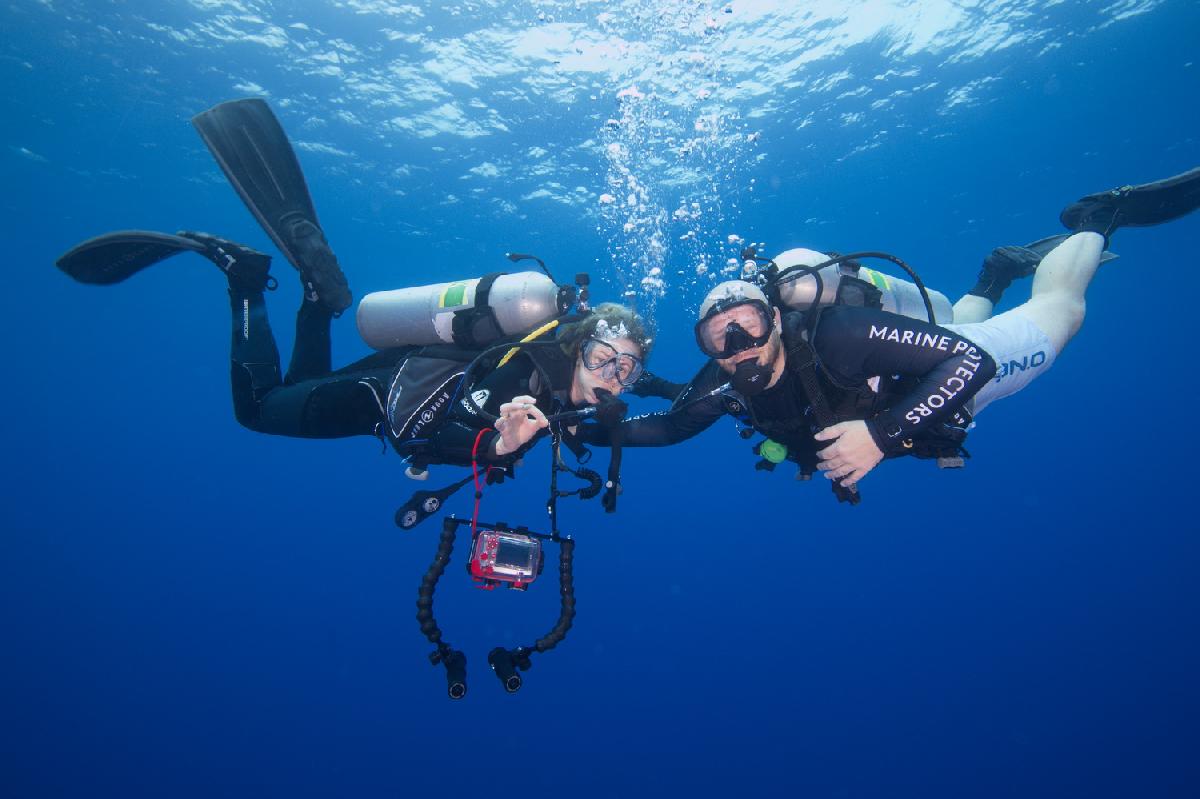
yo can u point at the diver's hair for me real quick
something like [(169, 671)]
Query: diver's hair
[(573, 334)]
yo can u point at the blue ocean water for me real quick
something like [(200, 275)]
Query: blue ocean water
[(191, 609)]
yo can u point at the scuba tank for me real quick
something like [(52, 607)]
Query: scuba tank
[(466, 312), (897, 296)]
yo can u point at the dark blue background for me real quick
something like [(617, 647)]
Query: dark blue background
[(190, 609)]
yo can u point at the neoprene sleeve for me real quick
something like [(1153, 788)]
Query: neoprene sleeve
[(853, 345), (686, 419)]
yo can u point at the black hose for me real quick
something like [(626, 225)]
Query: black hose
[(516, 257), (468, 373)]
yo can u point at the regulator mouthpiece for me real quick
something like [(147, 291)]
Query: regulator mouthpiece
[(750, 377)]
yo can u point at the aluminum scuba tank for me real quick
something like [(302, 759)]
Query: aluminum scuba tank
[(899, 296), (425, 314)]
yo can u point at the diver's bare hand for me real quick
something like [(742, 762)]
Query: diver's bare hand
[(851, 455), (520, 420)]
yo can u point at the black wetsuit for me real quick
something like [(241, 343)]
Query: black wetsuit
[(454, 439), (926, 374), (312, 401)]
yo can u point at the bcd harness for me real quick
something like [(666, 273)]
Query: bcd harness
[(441, 376), (831, 401)]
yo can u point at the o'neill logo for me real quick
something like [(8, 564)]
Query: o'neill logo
[(1013, 367)]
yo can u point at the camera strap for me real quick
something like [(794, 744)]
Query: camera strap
[(475, 477)]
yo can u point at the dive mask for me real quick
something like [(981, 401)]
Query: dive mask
[(732, 327), (602, 356)]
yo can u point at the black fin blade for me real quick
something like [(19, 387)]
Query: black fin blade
[(256, 156), (115, 256), (249, 144)]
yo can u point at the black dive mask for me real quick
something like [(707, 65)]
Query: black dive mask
[(747, 324), (750, 377), (738, 340)]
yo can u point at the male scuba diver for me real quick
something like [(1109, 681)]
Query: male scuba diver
[(838, 388)]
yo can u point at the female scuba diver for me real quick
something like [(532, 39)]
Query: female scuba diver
[(604, 354), (418, 391), (472, 372), (568, 365)]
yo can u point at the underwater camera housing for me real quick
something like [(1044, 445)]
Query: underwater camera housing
[(498, 555), (503, 556)]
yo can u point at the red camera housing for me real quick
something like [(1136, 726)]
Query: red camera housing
[(505, 557)]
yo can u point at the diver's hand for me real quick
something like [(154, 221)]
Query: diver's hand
[(851, 455), (520, 420)]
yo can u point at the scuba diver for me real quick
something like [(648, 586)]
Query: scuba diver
[(594, 359), (598, 355), (577, 361), (469, 373), (843, 384)]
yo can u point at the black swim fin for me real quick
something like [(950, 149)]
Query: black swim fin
[(1005, 264), (116, 256), (257, 158), (1135, 206)]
